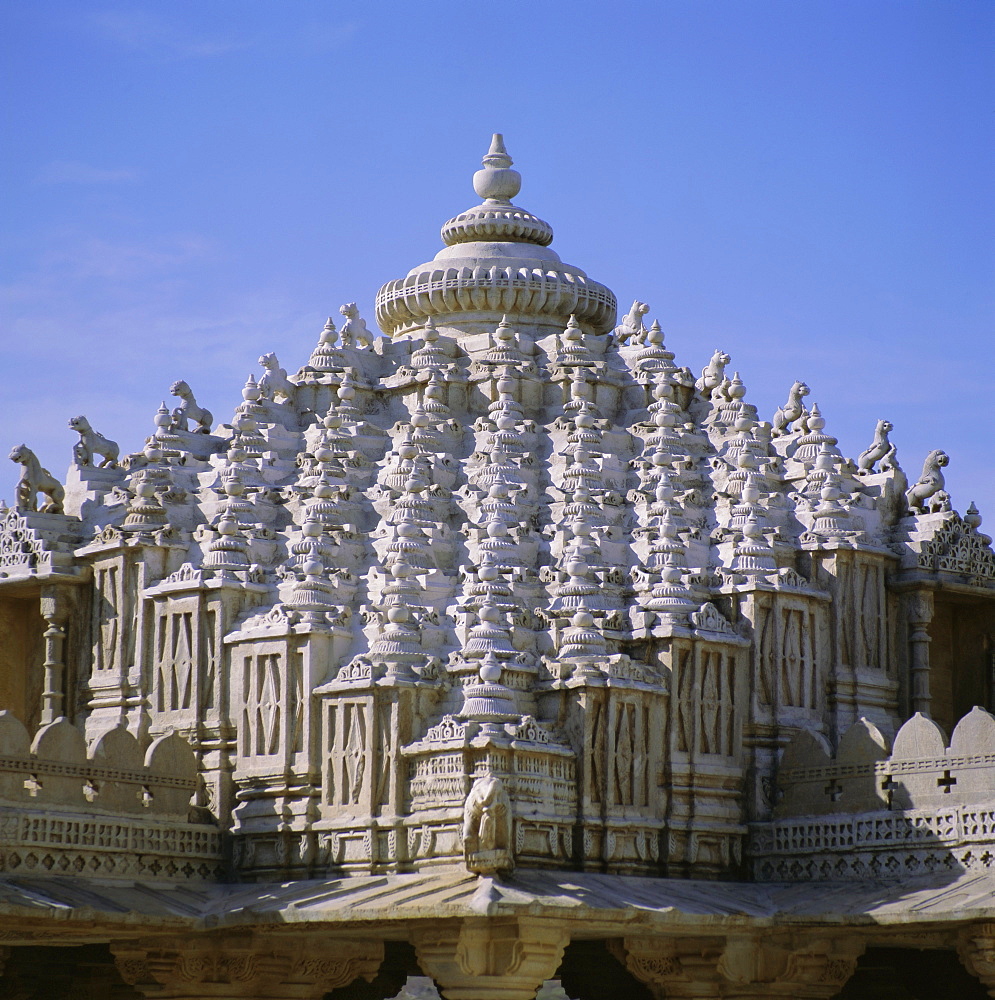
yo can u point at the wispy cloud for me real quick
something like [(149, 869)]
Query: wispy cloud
[(75, 172), (117, 261), (141, 29), (73, 264), (145, 31), (326, 37)]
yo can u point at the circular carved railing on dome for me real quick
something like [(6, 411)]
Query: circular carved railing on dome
[(502, 224), (410, 300)]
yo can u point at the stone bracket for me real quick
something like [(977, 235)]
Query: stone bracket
[(301, 967), (484, 958), (749, 965)]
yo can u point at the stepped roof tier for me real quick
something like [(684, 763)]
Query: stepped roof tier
[(496, 262), (498, 627)]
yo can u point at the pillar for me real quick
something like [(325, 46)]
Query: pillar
[(54, 611), (490, 958), (245, 966), (783, 965), (920, 613), (976, 948)]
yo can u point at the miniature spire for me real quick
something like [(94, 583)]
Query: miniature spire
[(754, 555), (325, 356), (811, 444), (311, 597), (582, 638), (145, 511)]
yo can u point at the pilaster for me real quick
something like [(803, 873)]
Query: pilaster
[(55, 611), (919, 613)]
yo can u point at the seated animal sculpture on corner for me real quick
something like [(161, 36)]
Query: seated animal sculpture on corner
[(274, 381), (34, 480), (880, 450), (92, 444), (632, 331), (930, 484), (354, 332), (189, 410), (713, 374), (792, 409)]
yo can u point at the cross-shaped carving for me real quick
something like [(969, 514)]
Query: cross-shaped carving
[(888, 786), (834, 790), (946, 782), (32, 784)]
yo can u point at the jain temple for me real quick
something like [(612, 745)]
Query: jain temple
[(494, 653)]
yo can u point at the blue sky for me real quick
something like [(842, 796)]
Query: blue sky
[(807, 185)]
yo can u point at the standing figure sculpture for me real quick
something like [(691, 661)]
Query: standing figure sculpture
[(792, 409), (92, 444), (487, 827), (274, 381), (354, 332), (880, 450), (632, 331), (930, 485), (713, 374), (34, 480), (189, 410)]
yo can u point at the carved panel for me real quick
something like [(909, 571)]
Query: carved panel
[(347, 736), (175, 650), (798, 658), (296, 697), (107, 601), (717, 695), (597, 750), (847, 611), (384, 761), (686, 698), (766, 654), (262, 709), (212, 641), (630, 752), (870, 622)]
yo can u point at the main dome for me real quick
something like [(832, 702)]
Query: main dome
[(496, 263)]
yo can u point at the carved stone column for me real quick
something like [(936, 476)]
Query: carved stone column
[(976, 948), (54, 611), (490, 959), (246, 966), (919, 610), (745, 967)]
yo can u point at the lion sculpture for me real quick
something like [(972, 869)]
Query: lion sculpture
[(274, 381), (792, 410), (91, 444), (713, 374), (34, 480), (930, 485), (632, 330), (189, 410), (880, 450), (354, 332)]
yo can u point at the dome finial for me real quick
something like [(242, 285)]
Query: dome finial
[(496, 181), (497, 155)]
